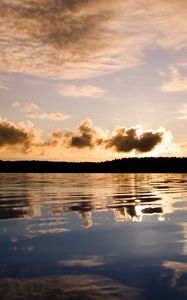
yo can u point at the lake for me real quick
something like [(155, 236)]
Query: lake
[(93, 236)]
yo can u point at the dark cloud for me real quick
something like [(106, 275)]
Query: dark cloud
[(123, 140), (85, 136), (12, 135), (126, 140)]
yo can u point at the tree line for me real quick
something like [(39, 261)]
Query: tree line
[(124, 165)]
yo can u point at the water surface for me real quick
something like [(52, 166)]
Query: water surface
[(94, 236)]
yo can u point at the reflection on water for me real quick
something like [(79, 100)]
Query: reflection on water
[(51, 197), (84, 287), (127, 231)]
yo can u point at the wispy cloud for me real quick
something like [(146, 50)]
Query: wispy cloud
[(31, 109), (50, 116), (90, 261), (4, 82), (116, 119), (16, 104), (79, 39), (182, 113), (26, 107), (85, 91), (176, 83)]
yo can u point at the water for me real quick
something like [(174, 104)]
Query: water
[(93, 236)]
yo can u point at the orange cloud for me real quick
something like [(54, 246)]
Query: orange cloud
[(80, 39), (86, 91), (12, 135), (50, 116), (126, 140), (24, 138), (177, 82)]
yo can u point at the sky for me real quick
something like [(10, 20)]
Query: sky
[(92, 80)]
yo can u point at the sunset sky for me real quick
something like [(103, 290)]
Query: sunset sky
[(93, 79)]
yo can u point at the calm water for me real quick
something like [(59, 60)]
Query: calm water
[(93, 236)]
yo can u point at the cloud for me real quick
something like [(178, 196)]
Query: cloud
[(50, 116), (86, 91), (84, 136), (3, 82), (15, 136), (122, 140), (176, 149), (27, 107), (182, 112), (116, 119), (26, 139), (177, 82), (16, 104), (90, 261), (126, 140), (30, 107), (80, 39)]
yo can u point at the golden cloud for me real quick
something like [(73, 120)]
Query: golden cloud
[(182, 112), (12, 135), (126, 140), (177, 82), (50, 116), (83, 38), (86, 91), (25, 138), (3, 82)]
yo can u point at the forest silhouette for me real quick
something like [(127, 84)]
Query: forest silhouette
[(124, 165)]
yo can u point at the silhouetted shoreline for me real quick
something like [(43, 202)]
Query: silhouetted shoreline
[(125, 165)]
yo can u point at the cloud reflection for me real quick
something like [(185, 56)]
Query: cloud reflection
[(89, 287), (179, 276), (90, 261), (48, 206)]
